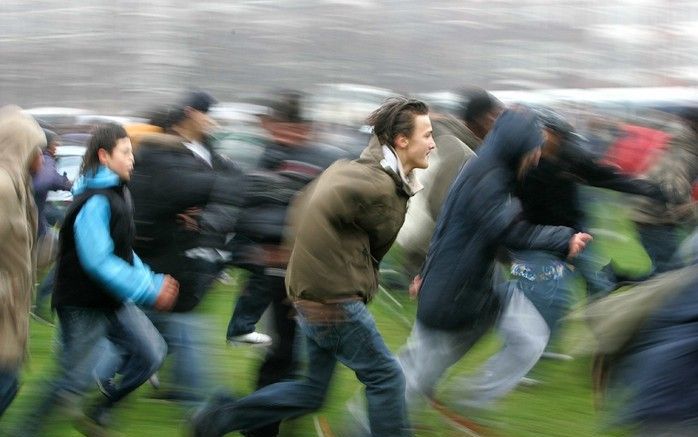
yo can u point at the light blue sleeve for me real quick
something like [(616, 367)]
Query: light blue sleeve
[(95, 249)]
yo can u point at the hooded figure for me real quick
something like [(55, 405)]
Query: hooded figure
[(478, 217), (20, 141), (457, 304)]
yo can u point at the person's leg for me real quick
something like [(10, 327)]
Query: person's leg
[(429, 353), (548, 287), (9, 386), (280, 361), (183, 333), (278, 401), (132, 331), (112, 359), (525, 336), (80, 330), (362, 349), (251, 304)]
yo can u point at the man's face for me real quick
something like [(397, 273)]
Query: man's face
[(51, 149), (419, 145), (486, 121), (201, 122), (288, 133)]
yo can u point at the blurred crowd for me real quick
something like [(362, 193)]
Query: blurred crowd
[(477, 204)]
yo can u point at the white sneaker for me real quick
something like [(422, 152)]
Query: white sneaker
[(529, 382), (154, 380), (252, 339), (557, 356)]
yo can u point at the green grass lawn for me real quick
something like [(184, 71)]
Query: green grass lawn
[(561, 406)]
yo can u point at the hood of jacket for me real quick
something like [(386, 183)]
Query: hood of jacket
[(515, 133), (20, 138)]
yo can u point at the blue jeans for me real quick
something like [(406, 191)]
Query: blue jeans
[(429, 353), (183, 333), (355, 342), (81, 329), (545, 280)]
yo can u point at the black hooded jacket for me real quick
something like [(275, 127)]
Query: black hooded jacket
[(168, 180), (480, 216), (549, 192)]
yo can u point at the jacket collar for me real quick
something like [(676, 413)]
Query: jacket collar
[(385, 157)]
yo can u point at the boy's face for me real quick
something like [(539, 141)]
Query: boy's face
[(120, 160)]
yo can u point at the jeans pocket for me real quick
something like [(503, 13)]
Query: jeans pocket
[(320, 333), (353, 310)]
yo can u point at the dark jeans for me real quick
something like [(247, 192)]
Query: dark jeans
[(545, 280), (9, 386), (280, 361), (258, 294), (355, 342), (81, 329)]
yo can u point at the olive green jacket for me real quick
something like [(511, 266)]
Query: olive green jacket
[(344, 223)]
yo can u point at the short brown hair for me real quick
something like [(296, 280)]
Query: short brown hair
[(395, 117)]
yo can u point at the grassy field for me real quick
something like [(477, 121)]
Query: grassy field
[(562, 405)]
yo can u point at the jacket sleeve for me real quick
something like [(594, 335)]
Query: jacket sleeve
[(48, 179), (95, 248), (599, 175), (501, 216), (185, 187), (339, 195), (169, 181), (524, 235)]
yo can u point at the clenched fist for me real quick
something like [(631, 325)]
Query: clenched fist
[(168, 294), (577, 243)]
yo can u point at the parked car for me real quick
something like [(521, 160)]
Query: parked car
[(68, 161), (59, 119)]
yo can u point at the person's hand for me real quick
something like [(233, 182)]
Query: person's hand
[(189, 218), (577, 243), (275, 256), (168, 294), (415, 285)]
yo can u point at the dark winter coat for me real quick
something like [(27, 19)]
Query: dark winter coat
[(168, 180), (479, 217), (549, 192), (282, 172)]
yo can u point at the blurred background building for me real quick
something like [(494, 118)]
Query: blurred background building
[(119, 55)]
